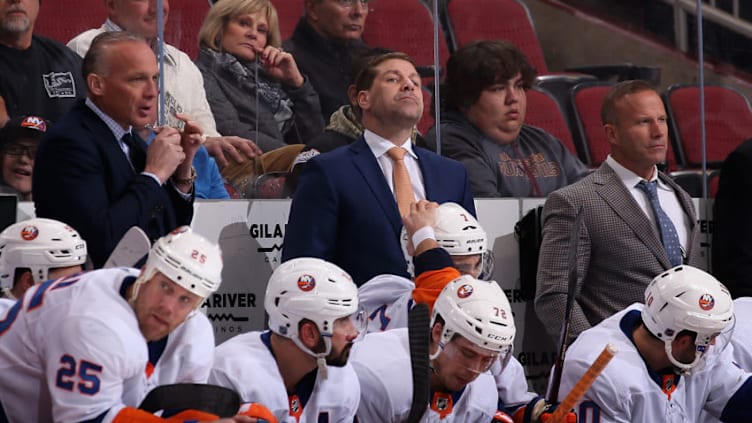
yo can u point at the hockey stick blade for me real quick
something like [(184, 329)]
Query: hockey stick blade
[(131, 248), (574, 243), (418, 329), (583, 384)]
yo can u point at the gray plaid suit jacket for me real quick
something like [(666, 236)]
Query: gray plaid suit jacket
[(619, 251)]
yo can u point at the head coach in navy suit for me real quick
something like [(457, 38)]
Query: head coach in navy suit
[(345, 209), (95, 173)]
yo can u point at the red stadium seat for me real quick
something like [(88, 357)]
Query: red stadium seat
[(61, 20), (406, 26), (289, 13), (728, 122), (183, 24), (509, 20), (544, 112)]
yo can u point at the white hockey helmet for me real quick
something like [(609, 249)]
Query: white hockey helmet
[(460, 234), (312, 289), (687, 298), (478, 310), (40, 245), (187, 259)]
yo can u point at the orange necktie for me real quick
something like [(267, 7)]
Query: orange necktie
[(403, 189)]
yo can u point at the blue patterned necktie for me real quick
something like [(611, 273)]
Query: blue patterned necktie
[(668, 231)]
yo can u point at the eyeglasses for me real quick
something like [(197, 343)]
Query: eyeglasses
[(348, 4), (20, 150)]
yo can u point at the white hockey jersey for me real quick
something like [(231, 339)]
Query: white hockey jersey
[(742, 333), (626, 391), (71, 350), (386, 300), (68, 346), (245, 364), (382, 362)]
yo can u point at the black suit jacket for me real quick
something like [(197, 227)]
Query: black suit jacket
[(732, 230), (83, 178)]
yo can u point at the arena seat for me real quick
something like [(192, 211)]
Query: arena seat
[(289, 13), (728, 122), (544, 112), (406, 26), (61, 20)]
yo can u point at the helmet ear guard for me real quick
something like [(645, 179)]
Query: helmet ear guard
[(40, 245), (187, 259), (685, 298)]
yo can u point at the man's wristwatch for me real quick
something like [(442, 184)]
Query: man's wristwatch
[(189, 180)]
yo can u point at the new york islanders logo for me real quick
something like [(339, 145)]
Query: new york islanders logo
[(306, 283), (707, 302), (29, 233), (465, 291)]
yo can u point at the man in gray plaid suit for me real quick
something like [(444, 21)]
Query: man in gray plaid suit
[(626, 237)]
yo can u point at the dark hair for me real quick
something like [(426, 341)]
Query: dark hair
[(361, 61), (480, 64), (94, 59), (619, 91), (367, 73)]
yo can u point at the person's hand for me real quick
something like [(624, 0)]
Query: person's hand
[(539, 411), (234, 148), (422, 214), (190, 138), (165, 153), (281, 66)]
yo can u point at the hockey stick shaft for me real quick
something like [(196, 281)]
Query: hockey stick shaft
[(133, 246), (418, 322), (574, 242), (582, 385)]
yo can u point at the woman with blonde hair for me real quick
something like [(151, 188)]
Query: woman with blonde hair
[(254, 88)]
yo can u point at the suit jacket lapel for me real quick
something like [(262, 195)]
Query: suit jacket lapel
[(613, 191), (109, 145), (428, 172), (369, 168)]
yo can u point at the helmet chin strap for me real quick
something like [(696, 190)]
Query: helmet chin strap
[(320, 357), (685, 369)]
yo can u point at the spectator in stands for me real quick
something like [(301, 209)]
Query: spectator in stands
[(636, 221), (732, 252), (38, 76), (254, 88), (325, 43), (348, 206), (184, 86), (483, 125), (94, 173), (19, 140), (27, 260)]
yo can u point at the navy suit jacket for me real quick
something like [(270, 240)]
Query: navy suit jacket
[(83, 178), (344, 212)]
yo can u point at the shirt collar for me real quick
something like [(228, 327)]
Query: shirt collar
[(379, 145), (629, 178), (116, 129)]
